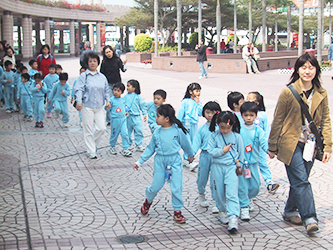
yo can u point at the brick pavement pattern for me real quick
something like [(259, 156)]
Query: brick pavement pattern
[(54, 197)]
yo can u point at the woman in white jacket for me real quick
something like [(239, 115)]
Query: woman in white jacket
[(250, 55)]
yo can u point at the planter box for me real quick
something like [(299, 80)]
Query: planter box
[(137, 57)]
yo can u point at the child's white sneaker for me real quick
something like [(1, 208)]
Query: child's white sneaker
[(192, 166), (223, 218), (186, 163), (245, 214), (215, 210), (126, 153), (49, 115), (65, 125), (251, 205), (233, 224), (202, 200), (56, 116), (113, 150), (140, 148)]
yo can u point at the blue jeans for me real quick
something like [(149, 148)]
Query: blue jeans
[(202, 69), (300, 193)]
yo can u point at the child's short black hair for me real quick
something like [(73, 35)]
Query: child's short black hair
[(63, 77), (7, 63), (135, 85), (161, 92), (52, 65), (22, 67), (25, 76), (31, 62), (233, 98), (58, 66), (38, 76), (213, 106), (249, 106), (120, 86)]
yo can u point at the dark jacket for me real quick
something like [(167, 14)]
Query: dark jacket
[(111, 69), (201, 57)]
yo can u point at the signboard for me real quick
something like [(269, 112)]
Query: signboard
[(103, 39)]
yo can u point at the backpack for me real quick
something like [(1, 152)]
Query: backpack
[(41, 57)]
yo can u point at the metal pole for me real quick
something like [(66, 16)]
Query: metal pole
[(235, 27), (179, 26), (264, 36), (218, 27), (300, 31), (156, 26), (320, 32)]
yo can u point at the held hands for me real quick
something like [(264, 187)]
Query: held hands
[(62, 92), (326, 157), (145, 118), (72, 100), (9, 81), (271, 154), (108, 105), (79, 107), (226, 148), (49, 102), (190, 159), (18, 99), (125, 61), (135, 167)]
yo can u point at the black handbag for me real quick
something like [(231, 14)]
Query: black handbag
[(317, 132)]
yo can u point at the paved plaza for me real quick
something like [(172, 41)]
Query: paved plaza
[(54, 197)]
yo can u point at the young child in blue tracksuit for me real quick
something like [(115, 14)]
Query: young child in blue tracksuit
[(159, 99), (262, 121), (235, 100), (133, 106), (7, 80), (254, 141), (38, 90), (73, 94), (166, 141), (201, 142), (58, 97), (50, 80), (189, 112), (17, 81), (227, 149), (24, 96), (118, 120), (1, 94), (34, 66)]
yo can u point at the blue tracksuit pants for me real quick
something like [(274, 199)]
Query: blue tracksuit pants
[(249, 188), (176, 185), (49, 106), (225, 183), (134, 122), (264, 168), (9, 97), (119, 126), (192, 129), (26, 105), (39, 108), (205, 163), (63, 107)]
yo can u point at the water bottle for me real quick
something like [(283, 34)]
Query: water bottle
[(168, 174), (239, 169)]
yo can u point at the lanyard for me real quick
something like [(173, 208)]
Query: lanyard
[(129, 108), (254, 138), (229, 150), (26, 90)]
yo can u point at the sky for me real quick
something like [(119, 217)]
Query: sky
[(114, 2)]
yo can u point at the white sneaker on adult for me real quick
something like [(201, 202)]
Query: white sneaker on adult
[(202, 200), (233, 224), (200, 77), (245, 214), (113, 151), (215, 210), (223, 218)]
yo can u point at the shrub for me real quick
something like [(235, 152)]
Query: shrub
[(193, 40), (142, 42)]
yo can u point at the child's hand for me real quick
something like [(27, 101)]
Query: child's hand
[(18, 98), (135, 167), (79, 107), (196, 99), (125, 62), (9, 81), (190, 159), (49, 102), (72, 100), (145, 118), (62, 92), (226, 148), (108, 105)]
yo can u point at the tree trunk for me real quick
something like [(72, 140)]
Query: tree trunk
[(218, 27), (199, 21), (156, 26), (250, 22), (276, 34), (235, 27), (288, 26), (179, 26), (320, 32), (264, 35), (300, 30)]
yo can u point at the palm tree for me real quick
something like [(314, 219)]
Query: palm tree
[(301, 28), (264, 35), (156, 26), (179, 26), (199, 20), (218, 26), (235, 27), (250, 21), (320, 31)]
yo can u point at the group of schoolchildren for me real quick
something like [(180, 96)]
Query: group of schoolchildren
[(233, 147), (30, 91)]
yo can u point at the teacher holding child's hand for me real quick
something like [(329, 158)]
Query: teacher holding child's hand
[(92, 94), (291, 138)]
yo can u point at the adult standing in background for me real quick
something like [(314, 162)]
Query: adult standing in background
[(92, 94), (44, 59), (288, 136), (83, 59), (118, 48), (222, 46), (110, 67), (2, 52), (201, 58)]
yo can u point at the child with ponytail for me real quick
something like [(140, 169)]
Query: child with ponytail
[(166, 142), (226, 148)]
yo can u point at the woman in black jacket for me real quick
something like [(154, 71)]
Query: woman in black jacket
[(110, 67)]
